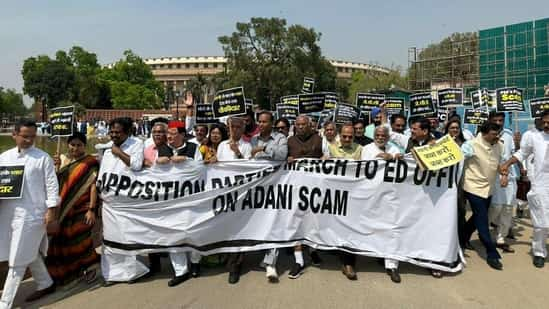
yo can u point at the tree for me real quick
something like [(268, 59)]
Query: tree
[(454, 60), (270, 60), (132, 84), (47, 80), (11, 103), (89, 92), (199, 87), (375, 81)]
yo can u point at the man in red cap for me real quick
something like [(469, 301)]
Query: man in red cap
[(177, 142)]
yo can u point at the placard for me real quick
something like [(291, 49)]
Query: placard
[(62, 121), (368, 101), (509, 99), (394, 106), (479, 99), (345, 113), (330, 100), (421, 104), (444, 153), (11, 181), (308, 85), (229, 102), (476, 117), (450, 97), (311, 103), (287, 111), (490, 98), (290, 100), (204, 114), (538, 106)]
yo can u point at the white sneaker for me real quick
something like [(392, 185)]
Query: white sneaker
[(271, 274)]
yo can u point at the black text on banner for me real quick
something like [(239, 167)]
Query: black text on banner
[(538, 106), (229, 102), (11, 181), (509, 99), (62, 121), (421, 104)]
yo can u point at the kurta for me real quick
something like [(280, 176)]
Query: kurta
[(506, 195), (537, 143), (22, 225)]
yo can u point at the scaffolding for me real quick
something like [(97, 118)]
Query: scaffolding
[(514, 55)]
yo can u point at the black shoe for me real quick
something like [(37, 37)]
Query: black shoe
[(394, 274), (195, 270), (539, 261), (178, 279), (296, 271), (234, 276), (495, 264), (505, 248), (315, 258), (145, 276), (41, 293)]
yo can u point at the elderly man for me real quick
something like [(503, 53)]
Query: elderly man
[(382, 149), (329, 137), (483, 155), (233, 149), (347, 149), (420, 135), (153, 152), (269, 145), (304, 144), (23, 221), (126, 153), (181, 150), (537, 143)]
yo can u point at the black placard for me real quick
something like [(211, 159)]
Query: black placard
[(538, 106), (229, 102), (287, 111), (346, 113), (476, 117), (330, 100), (62, 121), (368, 101), (394, 106), (290, 100), (490, 98), (204, 114), (308, 85), (509, 99), (479, 99), (249, 104), (311, 103), (450, 97), (11, 181), (421, 104)]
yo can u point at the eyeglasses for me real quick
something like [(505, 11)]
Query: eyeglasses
[(281, 128)]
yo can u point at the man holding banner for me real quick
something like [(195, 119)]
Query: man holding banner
[(126, 153), (23, 220)]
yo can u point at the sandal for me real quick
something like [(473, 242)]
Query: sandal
[(90, 276)]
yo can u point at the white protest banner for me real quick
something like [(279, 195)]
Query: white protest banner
[(373, 208)]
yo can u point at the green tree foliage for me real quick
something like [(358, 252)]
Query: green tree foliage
[(375, 81), (132, 84), (453, 60), (270, 59), (11, 103), (48, 80)]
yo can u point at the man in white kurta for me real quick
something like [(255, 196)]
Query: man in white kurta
[(537, 143), (23, 221), (382, 149), (504, 198), (126, 153)]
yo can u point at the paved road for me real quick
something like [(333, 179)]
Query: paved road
[(519, 285)]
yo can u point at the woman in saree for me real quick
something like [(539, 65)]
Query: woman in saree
[(71, 250)]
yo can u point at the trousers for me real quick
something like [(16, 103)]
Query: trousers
[(15, 276), (180, 262), (539, 239), (479, 221), (502, 216)]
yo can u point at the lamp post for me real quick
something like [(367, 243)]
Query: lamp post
[(177, 95)]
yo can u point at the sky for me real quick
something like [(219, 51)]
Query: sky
[(362, 31)]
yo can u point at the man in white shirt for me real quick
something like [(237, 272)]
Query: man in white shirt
[(23, 221), (233, 149), (537, 143), (126, 153)]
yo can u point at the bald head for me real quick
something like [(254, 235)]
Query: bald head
[(302, 126)]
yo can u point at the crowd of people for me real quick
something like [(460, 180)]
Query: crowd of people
[(60, 199)]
